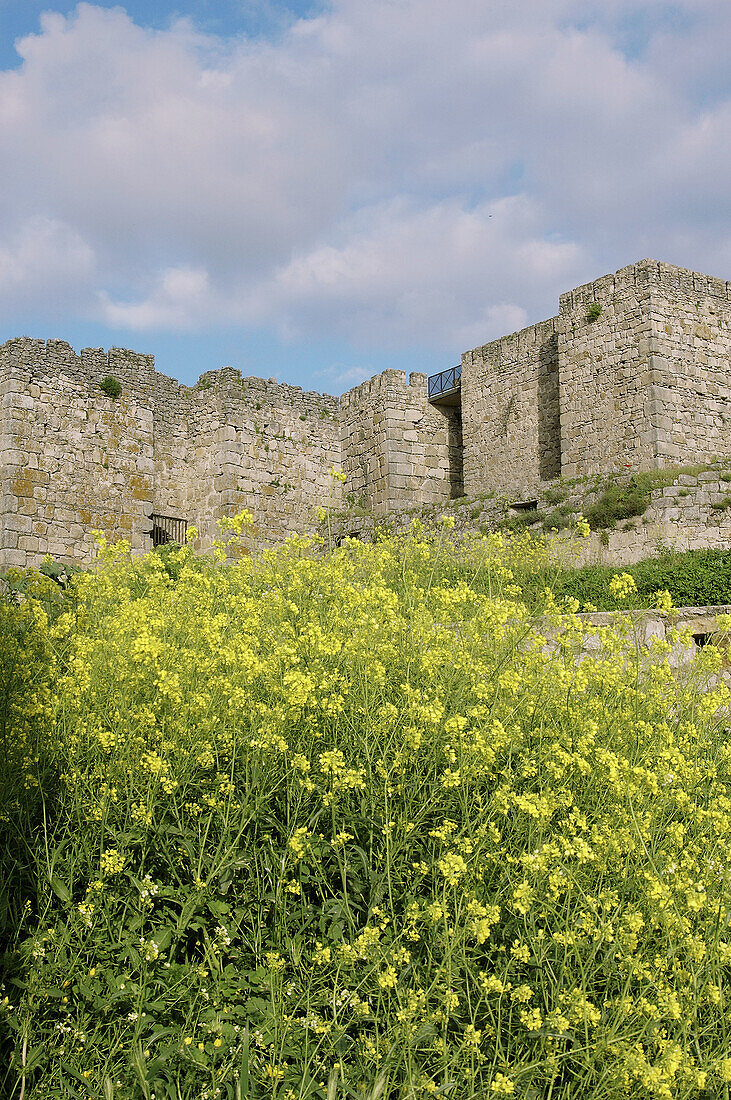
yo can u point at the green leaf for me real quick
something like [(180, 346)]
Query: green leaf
[(162, 938), (60, 889), (132, 955), (33, 1058), (219, 908)]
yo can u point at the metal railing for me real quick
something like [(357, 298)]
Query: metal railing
[(446, 382), (167, 529)]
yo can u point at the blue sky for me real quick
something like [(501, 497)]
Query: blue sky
[(318, 191), (219, 17)]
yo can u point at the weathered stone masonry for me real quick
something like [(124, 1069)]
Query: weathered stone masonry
[(397, 447), (74, 459), (632, 374), (647, 384), (644, 385)]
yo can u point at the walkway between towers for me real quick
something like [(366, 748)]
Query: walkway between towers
[(444, 388)]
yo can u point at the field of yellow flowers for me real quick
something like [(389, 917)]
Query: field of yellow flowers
[(333, 825)]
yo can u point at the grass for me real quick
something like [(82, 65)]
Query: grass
[(621, 501), (519, 521), (555, 495), (344, 825), (561, 518), (695, 578)]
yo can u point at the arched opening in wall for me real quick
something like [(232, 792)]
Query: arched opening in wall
[(167, 529), (444, 391)]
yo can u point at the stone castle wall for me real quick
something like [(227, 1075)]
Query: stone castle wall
[(691, 315), (263, 447), (510, 411), (644, 384), (396, 446), (609, 416), (74, 460)]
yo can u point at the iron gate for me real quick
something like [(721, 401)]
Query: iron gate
[(167, 529)]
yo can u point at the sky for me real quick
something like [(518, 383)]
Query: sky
[(318, 191)]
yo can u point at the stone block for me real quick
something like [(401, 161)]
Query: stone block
[(14, 557)]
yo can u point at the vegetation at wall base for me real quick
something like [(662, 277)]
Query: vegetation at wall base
[(519, 521), (694, 578), (345, 824), (556, 494), (560, 519), (619, 497)]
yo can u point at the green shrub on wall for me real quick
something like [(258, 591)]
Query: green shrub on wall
[(619, 502), (111, 386)]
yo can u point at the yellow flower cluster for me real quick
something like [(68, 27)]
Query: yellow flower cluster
[(622, 585), (371, 810), (112, 862)]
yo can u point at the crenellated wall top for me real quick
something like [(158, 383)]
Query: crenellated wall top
[(641, 277), (30, 360)]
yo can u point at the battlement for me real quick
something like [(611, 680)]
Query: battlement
[(381, 384), (32, 361), (645, 274), (515, 343), (625, 281), (43, 356), (259, 392)]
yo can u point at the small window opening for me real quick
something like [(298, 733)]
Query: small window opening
[(524, 506), (703, 639), (166, 529)]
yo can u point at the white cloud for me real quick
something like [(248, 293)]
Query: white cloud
[(430, 274), (393, 172), (180, 299), (42, 257), (340, 378)]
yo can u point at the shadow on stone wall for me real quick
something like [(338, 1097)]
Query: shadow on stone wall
[(456, 452), (549, 420)]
